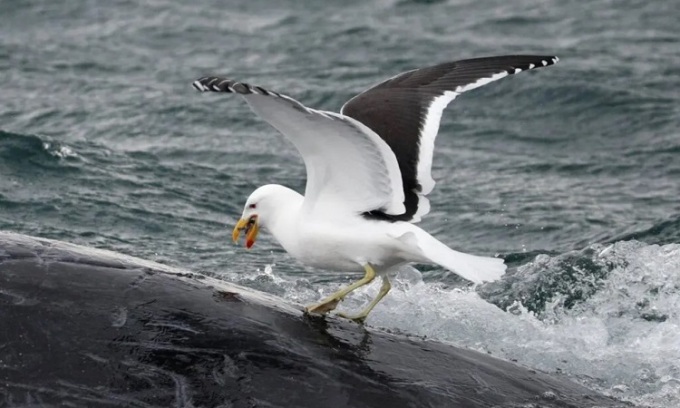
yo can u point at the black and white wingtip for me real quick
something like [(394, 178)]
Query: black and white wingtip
[(219, 84), (524, 67)]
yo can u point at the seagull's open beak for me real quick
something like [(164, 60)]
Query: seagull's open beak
[(252, 228)]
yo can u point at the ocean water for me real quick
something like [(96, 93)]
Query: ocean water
[(571, 173)]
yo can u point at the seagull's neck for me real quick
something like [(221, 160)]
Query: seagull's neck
[(283, 212)]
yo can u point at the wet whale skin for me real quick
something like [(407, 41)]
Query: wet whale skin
[(82, 327)]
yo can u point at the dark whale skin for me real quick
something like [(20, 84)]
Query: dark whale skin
[(90, 328)]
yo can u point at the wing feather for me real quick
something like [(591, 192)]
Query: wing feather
[(406, 111), (349, 167)]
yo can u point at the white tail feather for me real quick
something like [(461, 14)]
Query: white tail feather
[(477, 269)]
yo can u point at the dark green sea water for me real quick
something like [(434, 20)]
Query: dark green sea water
[(572, 173)]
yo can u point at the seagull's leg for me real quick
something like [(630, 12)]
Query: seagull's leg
[(359, 318), (332, 301)]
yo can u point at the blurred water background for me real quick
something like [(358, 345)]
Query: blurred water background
[(571, 173)]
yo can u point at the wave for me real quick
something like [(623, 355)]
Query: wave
[(22, 150), (663, 232)]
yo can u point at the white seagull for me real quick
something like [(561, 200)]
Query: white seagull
[(368, 175)]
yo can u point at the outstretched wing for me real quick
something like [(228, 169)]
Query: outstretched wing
[(349, 167), (406, 109)]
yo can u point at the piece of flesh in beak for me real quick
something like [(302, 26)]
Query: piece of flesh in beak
[(251, 227)]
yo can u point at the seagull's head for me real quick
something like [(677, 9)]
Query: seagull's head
[(262, 209)]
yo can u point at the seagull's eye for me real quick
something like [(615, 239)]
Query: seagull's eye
[(252, 206)]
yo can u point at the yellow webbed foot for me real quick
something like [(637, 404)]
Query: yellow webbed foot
[(358, 318), (331, 302), (361, 317), (323, 307)]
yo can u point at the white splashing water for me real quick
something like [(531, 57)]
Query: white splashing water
[(623, 340), (59, 151)]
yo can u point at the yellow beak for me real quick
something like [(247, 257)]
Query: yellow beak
[(252, 228)]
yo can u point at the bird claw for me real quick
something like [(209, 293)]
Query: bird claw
[(360, 318), (323, 307)]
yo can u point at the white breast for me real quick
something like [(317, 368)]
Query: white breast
[(346, 245)]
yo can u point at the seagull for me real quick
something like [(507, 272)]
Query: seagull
[(368, 175)]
